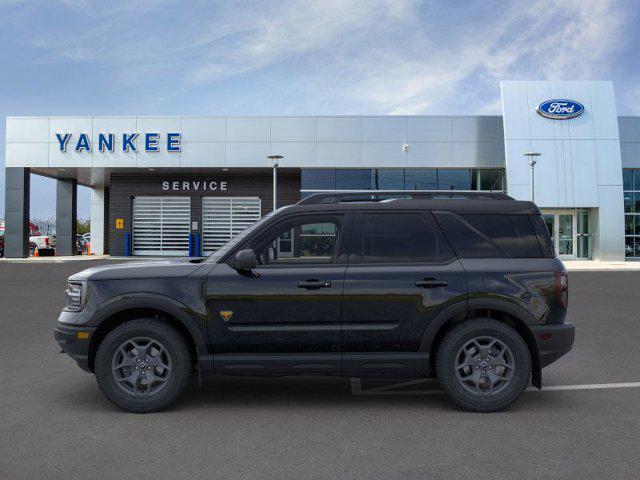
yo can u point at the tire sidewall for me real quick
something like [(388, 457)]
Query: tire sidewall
[(180, 365), (462, 334)]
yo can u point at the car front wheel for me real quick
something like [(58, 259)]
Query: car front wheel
[(143, 365), (483, 365)]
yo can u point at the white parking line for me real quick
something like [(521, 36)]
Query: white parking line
[(392, 389)]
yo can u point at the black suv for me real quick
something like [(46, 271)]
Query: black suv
[(461, 286)]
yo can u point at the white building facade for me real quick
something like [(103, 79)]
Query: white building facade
[(183, 185)]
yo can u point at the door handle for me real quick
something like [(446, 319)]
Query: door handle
[(314, 284), (431, 283)]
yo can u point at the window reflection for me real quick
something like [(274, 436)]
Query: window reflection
[(488, 179)]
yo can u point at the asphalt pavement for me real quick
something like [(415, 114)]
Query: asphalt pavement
[(54, 422)]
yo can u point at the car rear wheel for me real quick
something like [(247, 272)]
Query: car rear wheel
[(483, 365), (143, 365)]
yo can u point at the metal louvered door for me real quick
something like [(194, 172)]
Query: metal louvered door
[(225, 217), (161, 225)]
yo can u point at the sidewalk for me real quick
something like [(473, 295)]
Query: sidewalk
[(591, 265), (76, 258)]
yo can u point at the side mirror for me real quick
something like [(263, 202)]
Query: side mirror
[(244, 260)]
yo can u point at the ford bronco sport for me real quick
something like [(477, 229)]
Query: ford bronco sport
[(461, 286)]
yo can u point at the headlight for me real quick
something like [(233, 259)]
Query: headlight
[(75, 297)]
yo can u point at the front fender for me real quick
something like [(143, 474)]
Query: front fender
[(194, 323)]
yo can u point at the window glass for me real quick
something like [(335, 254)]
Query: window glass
[(308, 239), (421, 179), (636, 179), (312, 179), (486, 179), (630, 246), (628, 202), (387, 179), (466, 242), (544, 228), (353, 179), (627, 178), (512, 233), (401, 237), (454, 179)]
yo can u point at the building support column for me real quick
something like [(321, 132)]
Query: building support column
[(97, 221), (66, 216), (610, 224), (17, 190)]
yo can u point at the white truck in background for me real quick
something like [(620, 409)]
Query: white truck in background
[(45, 244)]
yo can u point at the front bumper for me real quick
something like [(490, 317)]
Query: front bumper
[(554, 341), (75, 341)]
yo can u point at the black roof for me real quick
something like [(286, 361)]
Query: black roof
[(462, 202)]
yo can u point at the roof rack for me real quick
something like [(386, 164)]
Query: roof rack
[(381, 195)]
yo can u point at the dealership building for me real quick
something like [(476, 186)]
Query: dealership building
[(179, 185)]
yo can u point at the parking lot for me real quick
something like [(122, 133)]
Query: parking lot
[(54, 422)]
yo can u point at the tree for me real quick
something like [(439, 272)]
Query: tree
[(84, 226)]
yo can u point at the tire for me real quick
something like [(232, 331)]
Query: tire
[(148, 382), (491, 386)]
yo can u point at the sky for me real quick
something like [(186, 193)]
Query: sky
[(147, 57)]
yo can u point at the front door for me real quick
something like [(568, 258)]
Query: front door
[(286, 314), (401, 274), (562, 227)]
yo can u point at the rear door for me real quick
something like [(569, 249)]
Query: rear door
[(401, 274)]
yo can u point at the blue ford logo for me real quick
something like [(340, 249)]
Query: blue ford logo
[(560, 109)]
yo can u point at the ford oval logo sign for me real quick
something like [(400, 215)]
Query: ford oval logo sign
[(560, 109)]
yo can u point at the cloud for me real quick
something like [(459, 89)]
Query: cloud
[(540, 40), (390, 56)]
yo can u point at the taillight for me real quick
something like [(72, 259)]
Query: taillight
[(46, 241), (562, 289)]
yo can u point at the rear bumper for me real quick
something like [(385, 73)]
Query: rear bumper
[(73, 345), (554, 341)]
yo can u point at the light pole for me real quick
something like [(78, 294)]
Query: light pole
[(274, 163), (532, 163)]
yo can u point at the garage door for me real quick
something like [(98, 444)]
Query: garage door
[(161, 225), (224, 217)]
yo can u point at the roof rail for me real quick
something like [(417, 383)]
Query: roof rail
[(380, 195)]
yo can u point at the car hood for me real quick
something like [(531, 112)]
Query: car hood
[(151, 269)]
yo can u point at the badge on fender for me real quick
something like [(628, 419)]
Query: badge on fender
[(226, 315)]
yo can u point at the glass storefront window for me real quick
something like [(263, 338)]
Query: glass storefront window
[(629, 228), (628, 202), (318, 179), (487, 179), (627, 179), (387, 179), (490, 179), (631, 182), (421, 179), (454, 179), (353, 179), (584, 239)]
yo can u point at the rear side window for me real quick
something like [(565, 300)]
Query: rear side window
[(544, 237), (399, 237), (467, 241), (514, 234)]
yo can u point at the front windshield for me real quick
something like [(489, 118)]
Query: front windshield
[(239, 238)]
